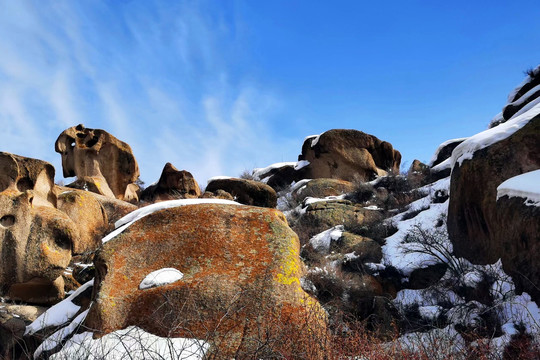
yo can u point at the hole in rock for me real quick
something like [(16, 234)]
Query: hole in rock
[(7, 220)]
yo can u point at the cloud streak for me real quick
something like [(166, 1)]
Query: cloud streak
[(158, 77)]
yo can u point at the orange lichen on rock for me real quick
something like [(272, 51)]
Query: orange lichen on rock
[(241, 271)]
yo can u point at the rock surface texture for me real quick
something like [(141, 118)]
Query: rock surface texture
[(36, 238), (483, 229), (348, 155), (248, 192), (240, 267), (102, 163), (173, 184)]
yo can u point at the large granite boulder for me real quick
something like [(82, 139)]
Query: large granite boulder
[(173, 184), (36, 239), (348, 155), (102, 163), (239, 280), (248, 192), (483, 229)]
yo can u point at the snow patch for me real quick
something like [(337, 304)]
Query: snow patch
[(301, 164), (218, 178), (58, 314), (466, 149), (258, 173), (526, 186), (160, 277), (441, 146), (133, 343), (138, 214), (321, 242)]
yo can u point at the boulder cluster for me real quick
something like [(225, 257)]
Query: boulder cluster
[(276, 262)]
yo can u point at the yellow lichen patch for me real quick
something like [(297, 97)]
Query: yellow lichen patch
[(53, 255), (290, 269)]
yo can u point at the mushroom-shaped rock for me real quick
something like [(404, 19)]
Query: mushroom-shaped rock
[(102, 163), (173, 184), (348, 155), (241, 279), (36, 238), (248, 192)]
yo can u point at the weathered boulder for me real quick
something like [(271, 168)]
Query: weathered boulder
[(440, 168), (483, 229), (323, 215), (240, 269), (102, 163), (248, 192), (36, 238), (320, 188), (89, 216), (348, 155), (173, 184), (279, 177), (218, 194), (418, 174)]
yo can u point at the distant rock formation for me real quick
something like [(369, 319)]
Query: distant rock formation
[(102, 163), (348, 155), (241, 273), (173, 184), (248, 192), (482, 228)]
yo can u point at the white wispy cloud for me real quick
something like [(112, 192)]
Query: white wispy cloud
[(153, 74)]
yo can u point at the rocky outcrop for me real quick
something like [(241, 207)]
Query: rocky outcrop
[(102, 163), (36, 239), (323, 215), (483, 229), (526, 93), (248, 192), (173, 184), (89, 216), (321, 188), (240, 269), (348, 155)]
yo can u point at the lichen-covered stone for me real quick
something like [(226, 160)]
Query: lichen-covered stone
[(241, 274)]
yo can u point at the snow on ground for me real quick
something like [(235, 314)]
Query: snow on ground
[(133, 343), (58, 314), (59, 336), (526, 186), (321, 242), (160, 277), (437, 344), (138, 214), (466, 149)]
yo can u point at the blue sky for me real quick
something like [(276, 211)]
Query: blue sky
[(217, 87)]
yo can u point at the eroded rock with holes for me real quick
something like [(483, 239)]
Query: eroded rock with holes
[(348, 155), (36, 238), (240, 283), (102, 163), (172, 184)]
